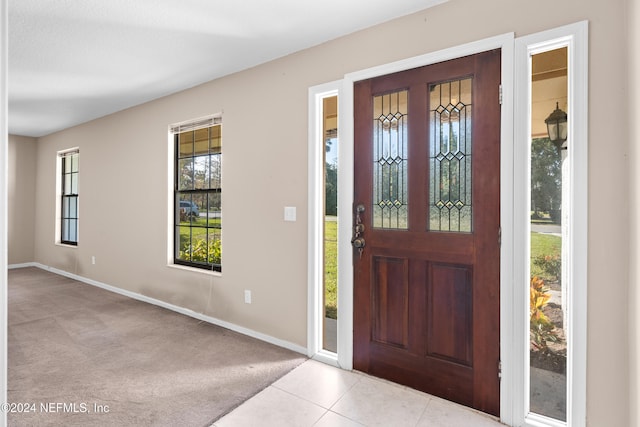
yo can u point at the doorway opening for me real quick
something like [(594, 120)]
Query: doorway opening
[(427, 226)]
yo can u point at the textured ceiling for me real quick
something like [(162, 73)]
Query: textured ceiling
[(71, 61)]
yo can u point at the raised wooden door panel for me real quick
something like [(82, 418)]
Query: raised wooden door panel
[(426, 291)]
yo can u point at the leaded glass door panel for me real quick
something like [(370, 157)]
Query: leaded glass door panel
[(427, 151)]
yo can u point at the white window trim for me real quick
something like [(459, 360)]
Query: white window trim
[(192, 124), (58, 216), (575, 37), (315, 225)]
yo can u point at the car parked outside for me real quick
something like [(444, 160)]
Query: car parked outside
[(188, 210)]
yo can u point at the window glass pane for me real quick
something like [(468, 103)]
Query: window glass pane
[(74, 162), (199, 207), (184, 243), (215, 170), (214, 214), (73, 230), (201, 141), (450, 156), (74, 183), (65, 230), (214, 247), (66, 189), (185, 174), (187, 209), (201, 172), (186, 143), (73, 207), (66, 164), (65, 207), (216, 139), (390, 139)]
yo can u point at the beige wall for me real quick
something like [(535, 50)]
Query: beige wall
[(123, 181), (21, 199), (633, 18)]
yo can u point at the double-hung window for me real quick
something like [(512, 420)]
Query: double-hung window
[(69, 197), (197, 194)]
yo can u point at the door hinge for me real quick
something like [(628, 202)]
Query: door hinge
[(499, 368), (500, 94), (500, 237)]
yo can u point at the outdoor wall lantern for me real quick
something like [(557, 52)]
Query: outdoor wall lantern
[(557, 128)]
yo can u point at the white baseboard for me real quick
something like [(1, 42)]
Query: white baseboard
[(231, 326), (23, 265)]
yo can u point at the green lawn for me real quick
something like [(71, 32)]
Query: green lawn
[(331, 269), (194, 232), (543, 244)]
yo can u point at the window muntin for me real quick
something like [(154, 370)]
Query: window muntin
[(69, 162), (197, 198)]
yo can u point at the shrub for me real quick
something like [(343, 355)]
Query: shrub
[(541, 329), (550, 265), (200, 251)]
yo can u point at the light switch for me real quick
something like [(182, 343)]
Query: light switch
[(289, 213)]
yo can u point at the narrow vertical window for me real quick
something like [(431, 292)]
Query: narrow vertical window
[(548, 279), (330, 137), (197, 195), (69, 162)]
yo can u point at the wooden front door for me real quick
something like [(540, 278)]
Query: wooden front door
[(427, 198)]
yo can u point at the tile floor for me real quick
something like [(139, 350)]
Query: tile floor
[(316, 394)]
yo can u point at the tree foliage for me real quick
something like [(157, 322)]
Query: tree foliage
[(331, 189), (546, 177)]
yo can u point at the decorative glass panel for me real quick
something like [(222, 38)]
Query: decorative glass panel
[(450, 207), (390, 141)]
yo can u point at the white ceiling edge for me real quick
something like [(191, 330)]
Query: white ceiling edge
[(72, 61)]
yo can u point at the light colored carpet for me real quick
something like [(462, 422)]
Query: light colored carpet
[(83, 356)]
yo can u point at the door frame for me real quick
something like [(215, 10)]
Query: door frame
[(345, 195), (514, 120), (344, 89)]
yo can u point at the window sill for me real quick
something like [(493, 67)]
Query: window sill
[(66, 245), (195, 270)]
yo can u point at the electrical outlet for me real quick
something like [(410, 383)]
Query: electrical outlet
[(247, 296), (93, 260)]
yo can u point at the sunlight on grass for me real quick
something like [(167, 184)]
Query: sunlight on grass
[(543, 244), (331, 268)]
